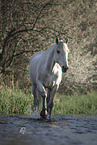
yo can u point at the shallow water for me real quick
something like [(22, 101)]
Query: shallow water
[(61, 130)]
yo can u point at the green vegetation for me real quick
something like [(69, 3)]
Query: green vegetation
[(75, 104), (14, 101)]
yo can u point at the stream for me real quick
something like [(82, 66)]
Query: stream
[(61, 130)]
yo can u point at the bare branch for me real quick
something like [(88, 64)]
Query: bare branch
[(48, 3), (6, 39), (15, 32)]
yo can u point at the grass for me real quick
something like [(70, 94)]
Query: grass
[(75, 104), (14, 101)]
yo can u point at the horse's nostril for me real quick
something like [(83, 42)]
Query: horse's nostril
[(64, 69)]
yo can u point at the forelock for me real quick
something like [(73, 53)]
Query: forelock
[(61, 40), (65, 47)]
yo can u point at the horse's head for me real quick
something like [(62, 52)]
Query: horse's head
[(61, 54)]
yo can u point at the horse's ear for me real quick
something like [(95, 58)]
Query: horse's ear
[(66, 40), (57, 40)]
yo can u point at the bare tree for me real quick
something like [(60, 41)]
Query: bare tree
[(29, 26)]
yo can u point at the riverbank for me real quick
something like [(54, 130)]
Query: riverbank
[(14, 101)]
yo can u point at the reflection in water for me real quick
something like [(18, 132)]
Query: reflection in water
[(61, 130)]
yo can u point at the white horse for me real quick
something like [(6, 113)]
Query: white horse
[(45, 71)]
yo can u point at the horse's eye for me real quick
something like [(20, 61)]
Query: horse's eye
[(58, 51)]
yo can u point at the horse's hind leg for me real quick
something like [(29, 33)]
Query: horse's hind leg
[(35, 94)]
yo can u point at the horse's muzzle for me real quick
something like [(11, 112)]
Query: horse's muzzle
[(64, 69)]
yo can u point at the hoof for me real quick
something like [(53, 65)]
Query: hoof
[(43, 113), (49, 117)]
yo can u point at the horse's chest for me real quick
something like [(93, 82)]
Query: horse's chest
[(53, 78)]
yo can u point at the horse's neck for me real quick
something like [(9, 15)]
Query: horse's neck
[(50, 59)]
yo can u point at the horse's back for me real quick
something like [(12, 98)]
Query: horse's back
[(35, 56), (34, 64)]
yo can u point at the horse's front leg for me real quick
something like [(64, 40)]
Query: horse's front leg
[(50, 98), (42, 90)]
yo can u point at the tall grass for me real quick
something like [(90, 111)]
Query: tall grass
[(14, 101), (75, 104)]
